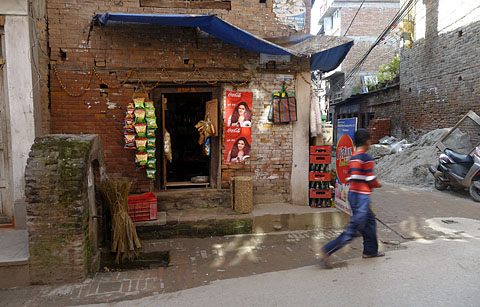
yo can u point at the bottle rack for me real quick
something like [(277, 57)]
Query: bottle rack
[(320, 191)]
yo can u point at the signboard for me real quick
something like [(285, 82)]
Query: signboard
[(238, 123), (265, 58), (346, 128), (291, 13)]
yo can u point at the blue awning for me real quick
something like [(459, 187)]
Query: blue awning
[(329, 59), (223, 30)]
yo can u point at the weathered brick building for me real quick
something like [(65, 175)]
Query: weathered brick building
[(90, 72), (439, 76), (362, 21)]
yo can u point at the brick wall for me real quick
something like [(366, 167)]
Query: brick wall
[(385, 104), (272, 147), (115, 50), (439, 77), (370, 21)]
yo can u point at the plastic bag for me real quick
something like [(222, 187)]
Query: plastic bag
[(167, 146)]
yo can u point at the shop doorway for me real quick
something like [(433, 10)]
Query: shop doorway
[(178, 111)]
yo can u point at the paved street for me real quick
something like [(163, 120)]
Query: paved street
[(442, 272), (410, 229)]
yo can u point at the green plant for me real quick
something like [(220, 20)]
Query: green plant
[(357, 90), (389, 71)]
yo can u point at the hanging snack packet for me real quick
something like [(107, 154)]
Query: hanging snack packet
[(141, 144), (149, 104), (129, 127), (150, 133), (150, 112), (152, 163), (151, 142), (151, 152), (129, 141), (141, 130), (139, 116), (130, 111), (138, 102), (141, 159), (151, 173), (152, 122)]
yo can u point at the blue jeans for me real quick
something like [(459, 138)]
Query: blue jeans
[(363, 221)]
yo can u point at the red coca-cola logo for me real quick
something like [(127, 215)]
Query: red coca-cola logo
[(344, 153), (233, 130), (234, 94)]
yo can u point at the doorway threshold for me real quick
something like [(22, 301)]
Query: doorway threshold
[(184, 184)]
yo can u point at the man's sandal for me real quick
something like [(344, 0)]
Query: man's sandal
[(325, 264), (379, 254)]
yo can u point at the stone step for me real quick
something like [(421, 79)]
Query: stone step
[(161, 220), (182, 199), (199, 222)]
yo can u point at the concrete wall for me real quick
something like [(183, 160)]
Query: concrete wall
[(18, 93), (301, 128)]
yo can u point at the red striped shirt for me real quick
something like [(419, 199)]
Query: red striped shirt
[(361, 176)]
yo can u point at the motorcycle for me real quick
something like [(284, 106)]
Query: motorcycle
[(459, 171)]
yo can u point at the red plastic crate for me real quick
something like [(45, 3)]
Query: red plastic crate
[(320, 150), (319, 176), (319, 159), (320, 193), (142, 207)]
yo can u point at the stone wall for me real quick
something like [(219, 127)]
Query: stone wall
[(60, 193), (439, 76)]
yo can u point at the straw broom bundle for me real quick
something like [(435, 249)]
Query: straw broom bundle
[(125, 240)]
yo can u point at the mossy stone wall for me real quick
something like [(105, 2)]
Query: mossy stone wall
[(60, 214)]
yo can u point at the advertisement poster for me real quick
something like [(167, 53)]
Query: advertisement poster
[(238, 123), (346, 128), (291, 13)]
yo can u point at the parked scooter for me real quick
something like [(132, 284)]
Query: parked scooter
[(458, 170)]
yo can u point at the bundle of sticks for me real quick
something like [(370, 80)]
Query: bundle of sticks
[(125, 241)]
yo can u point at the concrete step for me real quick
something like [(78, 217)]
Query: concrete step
[(14, 265), (14, 274), (182, 199), (201, 222)]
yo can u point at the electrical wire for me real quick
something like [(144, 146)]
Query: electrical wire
[(402, 12), (353, 19)]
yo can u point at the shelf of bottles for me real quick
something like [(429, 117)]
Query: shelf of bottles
[(320, 190)]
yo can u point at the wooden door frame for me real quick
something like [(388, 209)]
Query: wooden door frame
[(216, 141), (6, 193)]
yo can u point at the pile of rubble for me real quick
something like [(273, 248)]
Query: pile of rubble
[(400, 162)]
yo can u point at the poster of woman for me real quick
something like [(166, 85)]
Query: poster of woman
[(238, 111), (238, 122), (239, 151)]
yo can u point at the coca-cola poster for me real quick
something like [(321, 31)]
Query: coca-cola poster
[(238, 122)]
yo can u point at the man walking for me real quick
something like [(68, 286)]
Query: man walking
[(362, 180)]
